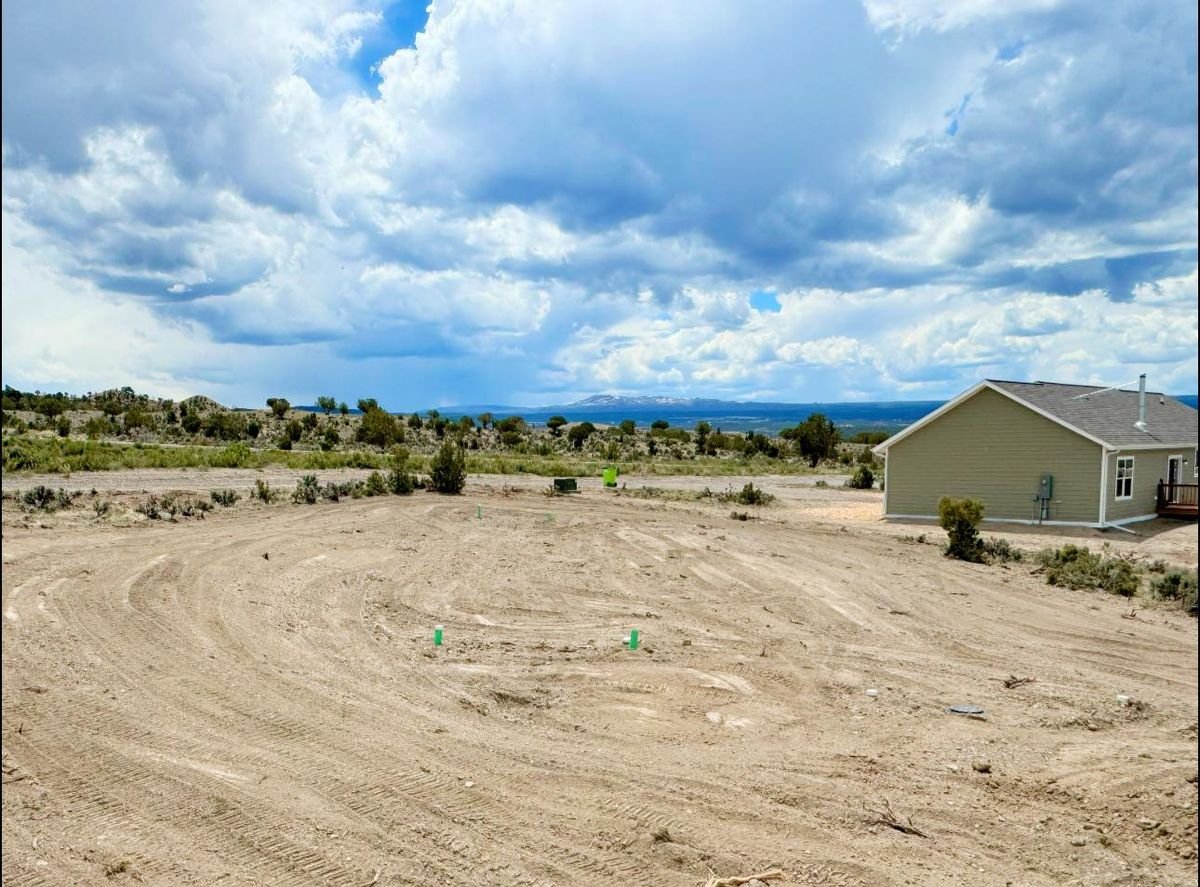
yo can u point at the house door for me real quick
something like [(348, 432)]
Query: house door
[(1174, 463)]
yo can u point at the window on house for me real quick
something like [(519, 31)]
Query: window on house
[(1125, 477)]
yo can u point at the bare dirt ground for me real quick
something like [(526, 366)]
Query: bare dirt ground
[(254, 698), (800, 500)]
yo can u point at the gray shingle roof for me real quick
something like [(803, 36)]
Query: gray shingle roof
[(1110, 415)]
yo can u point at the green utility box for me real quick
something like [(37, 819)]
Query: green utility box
[(565, 485), (610, 476)]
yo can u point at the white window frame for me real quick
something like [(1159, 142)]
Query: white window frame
[(1124, 475)]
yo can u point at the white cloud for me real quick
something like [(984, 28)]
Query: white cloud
[(944, 15), (583, 195)]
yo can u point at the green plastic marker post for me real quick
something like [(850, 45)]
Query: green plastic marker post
[(478, 512), (437, 635), (633, 639)]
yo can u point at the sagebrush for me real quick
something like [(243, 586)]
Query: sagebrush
[(960, 519)]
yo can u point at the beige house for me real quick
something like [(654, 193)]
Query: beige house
[(1044, 452)]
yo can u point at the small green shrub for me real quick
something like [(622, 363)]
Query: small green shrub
[(194, 508), (749, 495), (333, 491), (378, 427), (960, 519), (400, 481), (821, 483), (225, 498), (375, 485), (263, 492), (1176, 585), (174, 505), (98, 427), (579, 434), (43, 498), (17, 458), (1074, 566), (236, 455), (1000, 551), (102, 507), (862, 479), (307, 491), (448, 469)]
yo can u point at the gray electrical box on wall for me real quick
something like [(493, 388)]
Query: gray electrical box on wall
[(1045, 492), (1046, 489)]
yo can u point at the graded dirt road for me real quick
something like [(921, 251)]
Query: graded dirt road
[(255, 698)]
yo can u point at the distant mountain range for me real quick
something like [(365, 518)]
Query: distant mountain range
[(730, 415), (624, 401), (611, 409)]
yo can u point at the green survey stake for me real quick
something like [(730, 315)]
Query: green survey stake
[(437, 635), (633, 639)]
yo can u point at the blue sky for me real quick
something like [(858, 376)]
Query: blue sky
[(515, 202)]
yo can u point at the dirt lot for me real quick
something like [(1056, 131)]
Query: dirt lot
[(255, 698)]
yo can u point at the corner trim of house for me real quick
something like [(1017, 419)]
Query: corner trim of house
[(1104, 454)]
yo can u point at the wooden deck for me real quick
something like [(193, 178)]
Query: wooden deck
[(1177, 500)]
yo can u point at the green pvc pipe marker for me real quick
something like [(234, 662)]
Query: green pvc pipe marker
[(633, 638), (437, 635), (478, 512)]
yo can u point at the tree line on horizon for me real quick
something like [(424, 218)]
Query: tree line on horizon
[(814, 439)]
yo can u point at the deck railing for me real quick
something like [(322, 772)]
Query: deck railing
[(1181, 495)]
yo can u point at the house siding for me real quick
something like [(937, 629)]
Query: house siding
[(993, 449), (1149, 467)]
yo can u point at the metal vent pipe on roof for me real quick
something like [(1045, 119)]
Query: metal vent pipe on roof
[(1140, 424)]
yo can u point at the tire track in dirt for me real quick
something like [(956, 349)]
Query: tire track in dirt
[(252, 710)]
